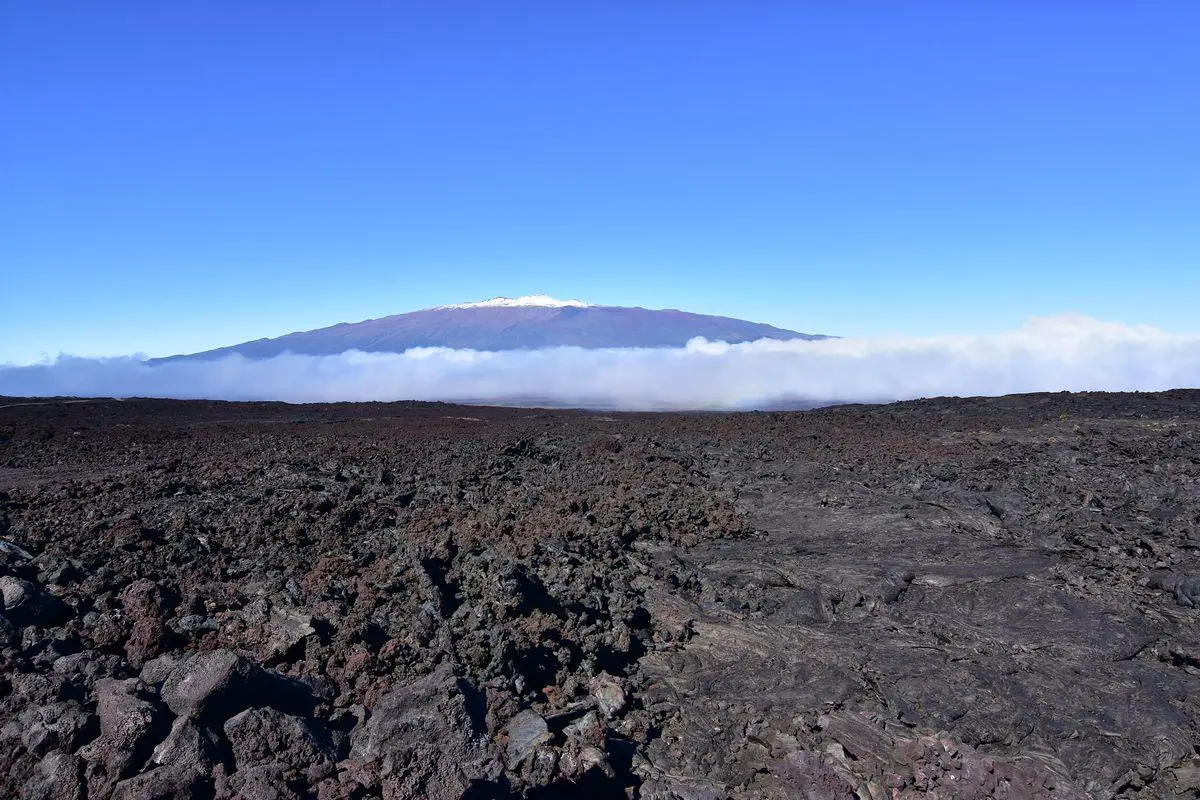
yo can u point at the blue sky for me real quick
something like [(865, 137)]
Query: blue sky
[(177, 176)]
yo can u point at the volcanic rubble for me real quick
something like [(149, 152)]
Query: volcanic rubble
[(941, 598)]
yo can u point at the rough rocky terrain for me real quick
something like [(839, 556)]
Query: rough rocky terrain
[(943, 598)]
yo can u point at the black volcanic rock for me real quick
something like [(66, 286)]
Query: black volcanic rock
[(966, 598), (502, 324), (27, 604)]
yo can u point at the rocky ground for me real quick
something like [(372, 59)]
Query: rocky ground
[(943, 598)]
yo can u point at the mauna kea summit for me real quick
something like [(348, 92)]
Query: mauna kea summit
[(505, 323)]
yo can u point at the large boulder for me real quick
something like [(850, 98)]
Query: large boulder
[(181, 766), (276, 754), (1187, 591), (59, 777), (189, 746), (426, 738), (214, 685), (14, 552), (27, 604), (147, 606), (164, 783), (130, 724), (267, 734)]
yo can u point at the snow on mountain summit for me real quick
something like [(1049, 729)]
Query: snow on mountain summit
[(543, 300)]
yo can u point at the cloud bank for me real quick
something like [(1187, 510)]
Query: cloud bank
[(1048, 354)]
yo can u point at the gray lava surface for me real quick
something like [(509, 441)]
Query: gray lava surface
[(942, 598)]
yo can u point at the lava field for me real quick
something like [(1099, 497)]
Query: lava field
[(950, 598)]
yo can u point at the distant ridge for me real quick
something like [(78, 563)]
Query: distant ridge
[(506, 323)]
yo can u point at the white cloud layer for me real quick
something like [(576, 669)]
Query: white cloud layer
[(1048, 354)]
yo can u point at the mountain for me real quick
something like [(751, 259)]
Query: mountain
[(504, 323)]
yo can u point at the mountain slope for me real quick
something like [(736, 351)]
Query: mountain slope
[(510, 324)]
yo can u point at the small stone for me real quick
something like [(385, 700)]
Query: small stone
[(287, 629), (610, 697), (526, 731), (188, 746), (195, 624), (586, 729), (157, 670), (593, 758), (835, 750)]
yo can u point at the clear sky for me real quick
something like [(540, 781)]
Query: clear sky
[(176, 176)]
